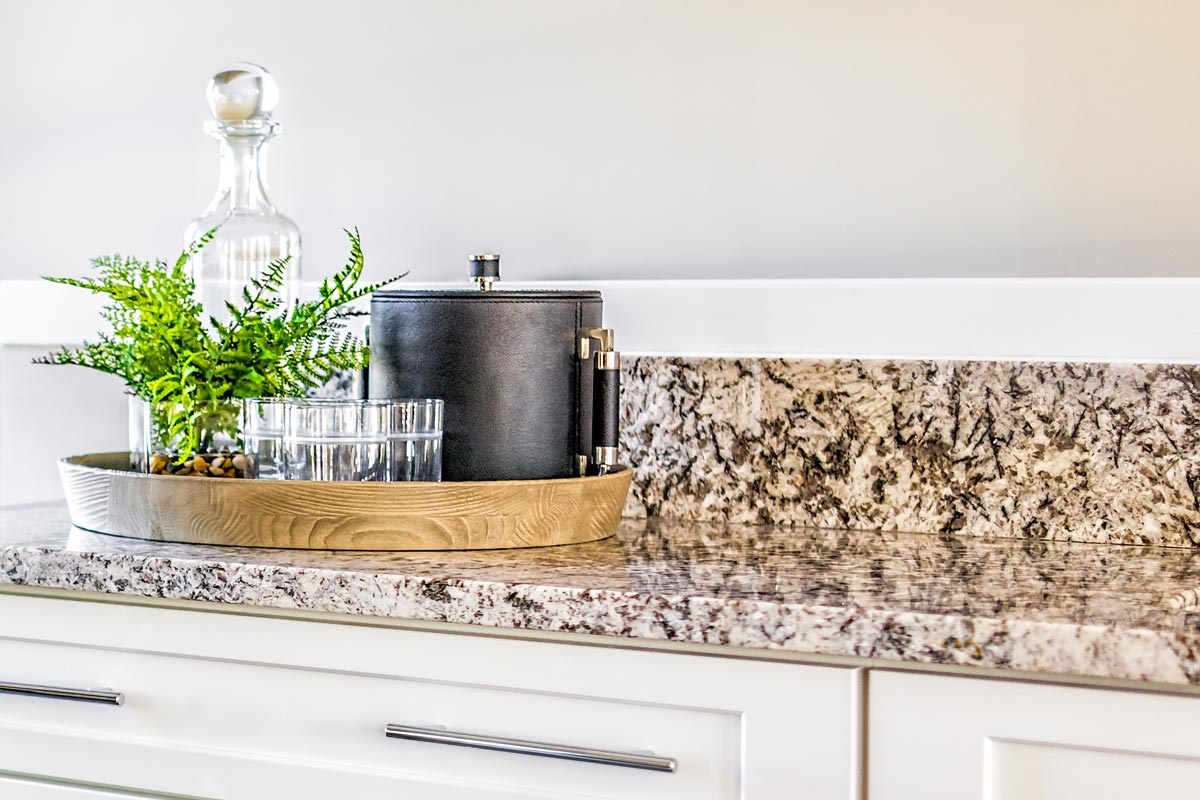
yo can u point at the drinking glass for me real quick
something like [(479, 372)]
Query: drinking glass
[(415, 438), (336, 440), (262, 431)]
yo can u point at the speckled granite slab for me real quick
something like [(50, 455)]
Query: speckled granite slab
[(1063, 452), (1105, 611)]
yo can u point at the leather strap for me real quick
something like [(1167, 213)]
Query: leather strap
[(606, 408)]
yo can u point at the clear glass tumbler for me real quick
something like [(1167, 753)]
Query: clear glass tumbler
[(336, 440), (262, 431), (415, 437)]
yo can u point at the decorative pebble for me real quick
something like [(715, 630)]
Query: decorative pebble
[(211, 465)]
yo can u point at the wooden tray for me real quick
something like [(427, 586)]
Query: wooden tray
[(105, 496)]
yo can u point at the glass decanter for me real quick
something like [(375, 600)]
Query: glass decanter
[(251, 233)]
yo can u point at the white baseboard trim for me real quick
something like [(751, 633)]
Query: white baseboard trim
[(1112, 320)]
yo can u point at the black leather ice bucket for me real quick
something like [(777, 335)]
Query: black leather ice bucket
[(530, 379)]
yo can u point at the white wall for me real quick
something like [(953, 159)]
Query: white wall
[(47, 413), (626, 138), (618, 139)]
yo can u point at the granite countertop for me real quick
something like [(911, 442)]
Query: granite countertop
[(1105, 611)]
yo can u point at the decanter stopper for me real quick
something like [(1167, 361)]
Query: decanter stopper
[(245, 94), (251, 233)]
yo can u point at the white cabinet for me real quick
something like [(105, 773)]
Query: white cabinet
[(238, 707), (933, 737), (22, 789), (232, 706)]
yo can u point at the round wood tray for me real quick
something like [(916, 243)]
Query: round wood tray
[(104, 495)]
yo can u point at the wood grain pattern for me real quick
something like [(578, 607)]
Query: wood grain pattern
[(104, 496)]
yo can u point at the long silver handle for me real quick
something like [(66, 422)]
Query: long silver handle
[(631, 760), (59, 693)]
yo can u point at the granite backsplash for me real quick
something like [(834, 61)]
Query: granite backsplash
[(1056, 451)]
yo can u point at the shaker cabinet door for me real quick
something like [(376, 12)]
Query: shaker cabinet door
[(56, 763), (228, 706), (27, 788), (935, 737)]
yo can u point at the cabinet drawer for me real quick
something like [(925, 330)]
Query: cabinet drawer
[(934, 736), (33, 789), (731, 728), (55, 762), (280, 712)]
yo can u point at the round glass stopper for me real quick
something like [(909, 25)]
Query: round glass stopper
[(241, 93)]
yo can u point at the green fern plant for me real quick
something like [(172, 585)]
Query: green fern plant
[(191, 373)]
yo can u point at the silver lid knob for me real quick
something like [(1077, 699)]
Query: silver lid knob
[(485, 270)]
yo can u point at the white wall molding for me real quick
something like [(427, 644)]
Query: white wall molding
[(1114, 320)]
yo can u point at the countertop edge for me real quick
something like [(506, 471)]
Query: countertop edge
[(891, 637)]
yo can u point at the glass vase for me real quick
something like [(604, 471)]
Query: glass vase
[(152, 449)]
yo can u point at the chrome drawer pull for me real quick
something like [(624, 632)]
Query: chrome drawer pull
[(59, 693), (631, 760)]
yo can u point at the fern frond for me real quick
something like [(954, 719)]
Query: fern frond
[(191, 365), (194, 248)]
